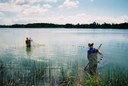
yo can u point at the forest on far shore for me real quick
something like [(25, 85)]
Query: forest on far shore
[(68, 25)]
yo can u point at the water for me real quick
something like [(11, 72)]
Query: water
[(56, 51)]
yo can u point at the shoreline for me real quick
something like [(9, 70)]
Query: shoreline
[(93, 25)]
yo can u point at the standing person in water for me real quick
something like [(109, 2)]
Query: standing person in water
[(28, 42), (92, 57)]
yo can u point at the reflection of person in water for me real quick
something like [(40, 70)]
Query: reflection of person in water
[(28, 51), (28, 42)]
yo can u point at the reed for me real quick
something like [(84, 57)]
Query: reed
[(41, 73), (113, 76)]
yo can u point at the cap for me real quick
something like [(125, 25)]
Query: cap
[(90, 44)]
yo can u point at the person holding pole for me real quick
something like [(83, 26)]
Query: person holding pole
[(93, 59)]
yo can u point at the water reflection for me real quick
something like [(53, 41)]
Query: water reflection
[(61, 52), (29, 51)]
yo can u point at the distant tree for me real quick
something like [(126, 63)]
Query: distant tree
[(68, 26), (50, 25), (106, 25)]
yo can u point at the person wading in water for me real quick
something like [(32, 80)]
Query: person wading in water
[(92, 57), (28, 42)]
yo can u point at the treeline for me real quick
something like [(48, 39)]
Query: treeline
[(51, 25)]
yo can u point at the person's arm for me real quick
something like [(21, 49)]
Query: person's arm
[(100, 53)]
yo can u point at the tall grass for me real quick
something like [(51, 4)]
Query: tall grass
[(22, 74), (112, 76), (115, 76), (38, 73)]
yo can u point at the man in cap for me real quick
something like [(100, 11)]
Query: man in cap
[(92, 57)]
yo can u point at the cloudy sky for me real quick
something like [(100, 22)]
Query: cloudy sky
[(63, 11)]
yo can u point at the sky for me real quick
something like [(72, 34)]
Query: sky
[(63, 11)]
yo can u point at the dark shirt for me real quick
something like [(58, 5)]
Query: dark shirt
[(92, 50), (28, 43), (92, 56)]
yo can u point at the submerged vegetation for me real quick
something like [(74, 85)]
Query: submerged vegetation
[(50, 25), (36, 73), (112, 76)]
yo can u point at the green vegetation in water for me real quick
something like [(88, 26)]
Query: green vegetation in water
[(26, 73), (114, 76), (37, 73)]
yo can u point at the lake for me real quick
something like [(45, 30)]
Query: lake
[(55, 52)]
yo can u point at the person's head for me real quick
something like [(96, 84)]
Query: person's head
[(26, 38), (90, 45)]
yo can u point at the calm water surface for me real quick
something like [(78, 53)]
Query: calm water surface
[(60, 48)]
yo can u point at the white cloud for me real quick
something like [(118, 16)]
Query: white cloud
[(10, 8), (25, 9), (69, 4), (51, 1), (6, 21), (20, 2), (24, 2), (81, 18), (22, 9), (1, 14), (36, 10), (84, 19), (125, 18), (27, 12)]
